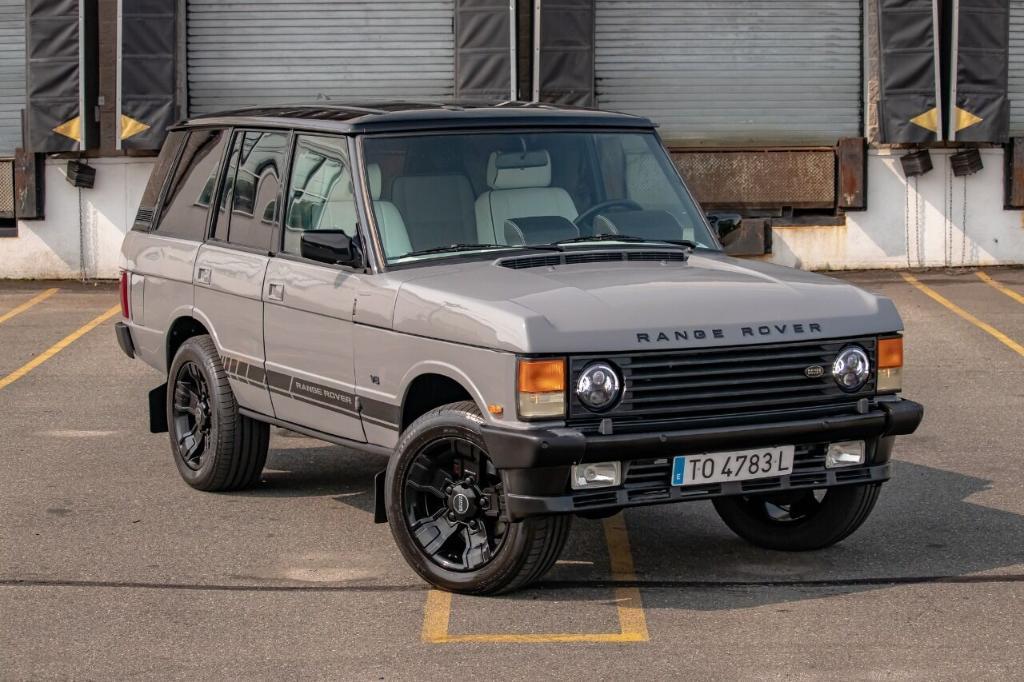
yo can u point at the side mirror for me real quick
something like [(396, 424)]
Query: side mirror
[(724, 223), (331, 246)]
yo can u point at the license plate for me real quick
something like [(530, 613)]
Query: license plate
[(742, 465)]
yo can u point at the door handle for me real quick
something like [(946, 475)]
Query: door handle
[(203, 275), (275, 291)]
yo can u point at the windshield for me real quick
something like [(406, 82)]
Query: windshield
[(440, 195)]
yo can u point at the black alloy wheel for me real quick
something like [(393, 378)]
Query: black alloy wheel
[(214, 447), (451, 504), (445, 503), (191, 415)]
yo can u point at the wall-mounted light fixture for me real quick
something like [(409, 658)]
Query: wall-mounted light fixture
[(966, 162), (81, 174), (916, 163)]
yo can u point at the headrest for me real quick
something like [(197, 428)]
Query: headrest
[(373, 178), (515, 170)]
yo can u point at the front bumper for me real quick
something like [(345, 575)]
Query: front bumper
[(535, 464)]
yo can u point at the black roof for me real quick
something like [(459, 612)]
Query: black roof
[(411, 116)]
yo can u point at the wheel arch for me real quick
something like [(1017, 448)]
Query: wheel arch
[(431, 388), (180, 330)]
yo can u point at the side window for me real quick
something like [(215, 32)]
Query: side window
[(187, 200), (157, 179), (252, 188), (320, 192)]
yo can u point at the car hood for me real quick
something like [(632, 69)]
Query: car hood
[(709, 300)]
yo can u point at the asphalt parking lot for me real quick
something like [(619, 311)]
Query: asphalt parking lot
[(111, 567)]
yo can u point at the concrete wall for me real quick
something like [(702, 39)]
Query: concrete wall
[(82, 233), (81, 236), (878, 237)]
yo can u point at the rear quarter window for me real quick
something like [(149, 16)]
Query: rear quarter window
[(158, 178), (186, 203)]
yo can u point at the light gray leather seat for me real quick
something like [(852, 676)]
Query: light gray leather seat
[(438, 209), (518, 192), (339, 212)]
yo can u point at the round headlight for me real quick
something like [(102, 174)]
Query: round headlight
[(851, 369), (598, 386)]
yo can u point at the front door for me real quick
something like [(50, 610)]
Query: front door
[(308, 305)]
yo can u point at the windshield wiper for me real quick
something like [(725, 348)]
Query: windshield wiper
[(451, 248), (629, 239)]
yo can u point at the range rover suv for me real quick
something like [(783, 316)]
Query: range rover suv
[(522, 307)]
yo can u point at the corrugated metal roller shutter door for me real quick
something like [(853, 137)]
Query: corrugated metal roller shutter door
[(1016, 85), (12, 73), (726, 71), (271, 52)]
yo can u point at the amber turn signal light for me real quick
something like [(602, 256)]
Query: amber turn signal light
[(890, 352), (541, 376), (542, 388)]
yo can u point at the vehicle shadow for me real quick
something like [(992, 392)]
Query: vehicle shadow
[(925, 526), (929, 523), (298, 466)]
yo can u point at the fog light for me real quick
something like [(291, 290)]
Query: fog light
[(596, 475), (845, 454)]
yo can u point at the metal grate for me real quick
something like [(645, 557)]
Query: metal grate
[(723, 382), (6, 188), (760, 179)]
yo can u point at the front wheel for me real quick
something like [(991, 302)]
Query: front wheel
[(799, 520), (444, 501)]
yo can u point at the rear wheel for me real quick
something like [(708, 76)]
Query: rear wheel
[(215, 448), (798, 520), (444, 501)]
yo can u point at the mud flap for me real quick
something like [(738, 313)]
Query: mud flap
[(380, 512), (158, 409)]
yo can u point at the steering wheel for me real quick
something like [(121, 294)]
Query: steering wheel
[(587, 217)]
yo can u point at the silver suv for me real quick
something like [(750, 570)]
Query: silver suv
[(522, 307)]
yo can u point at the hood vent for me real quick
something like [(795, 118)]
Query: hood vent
[(524, 262)]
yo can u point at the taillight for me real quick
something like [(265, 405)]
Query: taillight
[(124, 294)]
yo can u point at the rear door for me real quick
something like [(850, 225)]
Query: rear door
[(308, 305), (231, 266)]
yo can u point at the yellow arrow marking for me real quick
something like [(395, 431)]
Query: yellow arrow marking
[(72, 129), (929, 120), (130, 127), (965, 119)]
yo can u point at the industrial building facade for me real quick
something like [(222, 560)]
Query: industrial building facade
[(793, 115)]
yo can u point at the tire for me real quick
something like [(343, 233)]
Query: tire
[(226, 451), (455, 547), (794, 522)]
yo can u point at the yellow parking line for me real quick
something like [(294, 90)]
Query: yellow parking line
[(39, 298), (632, 622), (57, 347), (1001, 287), (984, 326)]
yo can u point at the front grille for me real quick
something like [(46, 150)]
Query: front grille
[(723, 383)]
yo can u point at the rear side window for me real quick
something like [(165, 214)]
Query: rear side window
[(188, 196), (252, 189), (157, 179)]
